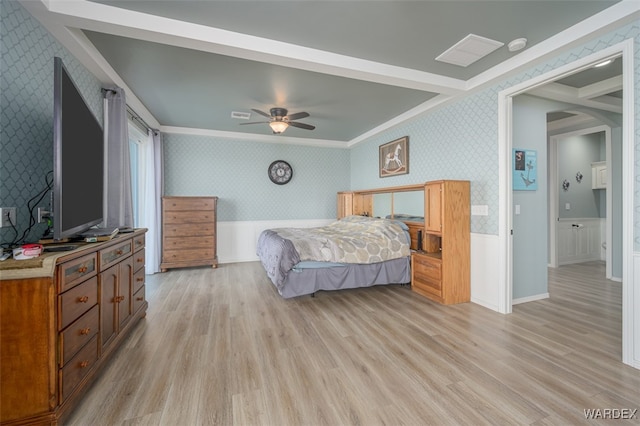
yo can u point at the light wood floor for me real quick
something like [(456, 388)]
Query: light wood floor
[(219, 346)]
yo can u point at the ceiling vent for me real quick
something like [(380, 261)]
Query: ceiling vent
[(240, 115), (468, 50)]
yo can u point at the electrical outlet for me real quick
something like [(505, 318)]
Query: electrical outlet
[(7, 216), (42, 215)]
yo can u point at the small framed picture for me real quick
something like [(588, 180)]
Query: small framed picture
[(394, 157), (525, 170)]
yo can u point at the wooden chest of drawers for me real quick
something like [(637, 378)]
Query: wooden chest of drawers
[(189, 232), (61, 326)]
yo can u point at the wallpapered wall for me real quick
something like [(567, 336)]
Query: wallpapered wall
[(236, 171), (575, 155), (26, 120), (460, 141)]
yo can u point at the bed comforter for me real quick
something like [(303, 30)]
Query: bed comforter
[(354, 239)]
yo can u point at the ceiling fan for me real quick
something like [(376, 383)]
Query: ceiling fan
[(279, 120)]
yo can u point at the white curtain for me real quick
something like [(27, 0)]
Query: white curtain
[(153, 186), (118, 201)]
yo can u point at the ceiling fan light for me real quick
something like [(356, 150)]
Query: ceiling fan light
[(278, 126)]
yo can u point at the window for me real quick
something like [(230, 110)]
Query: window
[(137, 139)]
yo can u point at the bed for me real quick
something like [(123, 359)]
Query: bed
[(356, 251)]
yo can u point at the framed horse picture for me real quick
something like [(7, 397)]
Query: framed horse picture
[(394, 157)]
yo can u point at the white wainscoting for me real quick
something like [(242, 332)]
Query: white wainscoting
[(632, 318), (237, 241), (485, 271), (580, 240)]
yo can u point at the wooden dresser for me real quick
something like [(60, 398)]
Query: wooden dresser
[(189, 232), (441, 271), (62, 316)]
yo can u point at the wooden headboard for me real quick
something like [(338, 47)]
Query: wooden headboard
[(361, 203)]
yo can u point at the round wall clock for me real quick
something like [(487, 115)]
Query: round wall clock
[(280, 172)]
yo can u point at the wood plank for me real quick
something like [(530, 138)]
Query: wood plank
[(220, 346)]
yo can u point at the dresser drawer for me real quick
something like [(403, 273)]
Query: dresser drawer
[(138, 242), (113, 254), (171, 256), (74, 272), (138, 299), (138, 279), (196, 216), (78, 334), (76, 369), (138, 260), (186, 243), (77, 301), (188, 203), (189, 230)]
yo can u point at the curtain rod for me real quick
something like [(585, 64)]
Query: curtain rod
[(137, 118), (131, 112)]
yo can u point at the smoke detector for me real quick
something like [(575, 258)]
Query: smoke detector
[(517, 44)]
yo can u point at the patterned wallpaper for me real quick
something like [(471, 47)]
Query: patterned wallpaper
[(236, 172), (460, 141), (26, 120)]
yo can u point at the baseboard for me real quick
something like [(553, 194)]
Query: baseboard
[(530, 298)]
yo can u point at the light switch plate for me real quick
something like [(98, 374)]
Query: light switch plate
[(480, 210)]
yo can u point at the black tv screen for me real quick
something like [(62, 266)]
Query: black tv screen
[(78, 156)]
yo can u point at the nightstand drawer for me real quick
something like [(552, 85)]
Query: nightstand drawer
[(427, 284), (428, 267)]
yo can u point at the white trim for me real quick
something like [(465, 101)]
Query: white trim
[(530, 298), (64, 18), (279, 139), (630, 286), (630, 281)]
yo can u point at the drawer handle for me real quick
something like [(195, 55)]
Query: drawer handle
[(140, 298), (85, 331), (139, 279), (119, 253), (140, 259), (84, 364), (82, 269), (83, 299), (118, 299)]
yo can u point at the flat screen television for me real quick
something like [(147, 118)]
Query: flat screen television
[(78, 159)]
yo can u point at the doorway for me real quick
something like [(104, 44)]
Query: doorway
[(505, 113)]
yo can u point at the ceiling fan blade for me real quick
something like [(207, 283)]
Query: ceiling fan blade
[(301, 125), (297, 116), (261, 113), (254, 122)]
